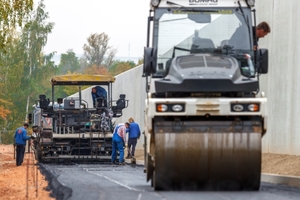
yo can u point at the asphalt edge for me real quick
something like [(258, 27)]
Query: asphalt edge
[(58, 190), (293, 181)]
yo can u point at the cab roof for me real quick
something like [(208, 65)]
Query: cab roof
[(82, 79)]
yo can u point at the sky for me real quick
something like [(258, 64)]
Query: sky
[(125, 22)]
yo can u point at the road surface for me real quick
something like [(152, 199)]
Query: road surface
[(106, 181)]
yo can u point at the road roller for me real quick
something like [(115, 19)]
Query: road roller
[(205, 114)]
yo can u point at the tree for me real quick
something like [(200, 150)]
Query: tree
[(10, 73), (121, 66), (34, 38), (4, 111), (13, 13), (98, 52), (96, 70), (24, 69), (68, 63)]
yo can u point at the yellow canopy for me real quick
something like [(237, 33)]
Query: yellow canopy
[(81, 79)]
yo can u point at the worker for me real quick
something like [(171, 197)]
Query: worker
[(20, 141), (261, 30), (134, 133), (97, 93), (118, 141)]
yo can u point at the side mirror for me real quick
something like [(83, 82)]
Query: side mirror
[(262, 57), (150, 56)]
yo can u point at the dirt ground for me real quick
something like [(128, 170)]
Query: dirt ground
[(23, 182), (281, 164), (27, 182)]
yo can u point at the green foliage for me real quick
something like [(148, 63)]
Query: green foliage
[(12, 14), (37, 67), (68, 63), (120, 66), (24, 68), (141, 61), (7, 136), (8, 81), (96, 70)]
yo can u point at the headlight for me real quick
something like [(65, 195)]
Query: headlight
[(238, 107), (162, 108), (155, 3), (251, 2), (253, 107), (175, 107), (245, 107)]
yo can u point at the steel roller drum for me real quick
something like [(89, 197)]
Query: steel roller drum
[(207, 161)]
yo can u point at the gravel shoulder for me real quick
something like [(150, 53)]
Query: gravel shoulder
[(23, 182)]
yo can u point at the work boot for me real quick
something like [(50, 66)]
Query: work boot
[(122, 163), (128, 157), (114, 163), (133, 160)]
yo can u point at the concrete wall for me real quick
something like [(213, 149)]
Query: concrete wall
[(281, 84)]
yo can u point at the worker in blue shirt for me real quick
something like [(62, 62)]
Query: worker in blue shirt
[(118, 140), (20, 141), (134, 134), (97, 93)]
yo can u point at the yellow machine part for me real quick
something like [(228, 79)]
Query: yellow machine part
[(207, 161), (77, 79)]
